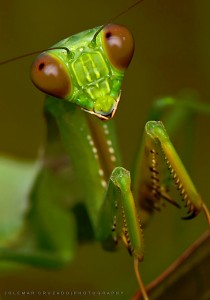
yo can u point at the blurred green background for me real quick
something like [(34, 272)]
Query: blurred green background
[(172, 53)]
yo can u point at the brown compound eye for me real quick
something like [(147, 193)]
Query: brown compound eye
[(49, 74), (118, 43)]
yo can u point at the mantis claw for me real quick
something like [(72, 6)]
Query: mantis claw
[(193, 214), (170, 200)]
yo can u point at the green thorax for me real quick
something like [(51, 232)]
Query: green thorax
[(95, 82)]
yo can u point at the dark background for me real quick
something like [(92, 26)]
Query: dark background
[(172, 53)]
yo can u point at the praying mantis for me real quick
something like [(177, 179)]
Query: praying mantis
[(89, 143)]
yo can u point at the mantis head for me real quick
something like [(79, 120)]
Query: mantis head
[(87, 69)]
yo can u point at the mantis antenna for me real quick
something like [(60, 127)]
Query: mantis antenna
[(32, 53), (65, 48), (123, 12)]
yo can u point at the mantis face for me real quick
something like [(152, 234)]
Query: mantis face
[(90, 72)]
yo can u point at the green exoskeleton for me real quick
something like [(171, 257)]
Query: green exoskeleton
[(89, 74), (82, 77)]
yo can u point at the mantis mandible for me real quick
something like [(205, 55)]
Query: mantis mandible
[(85, 71)]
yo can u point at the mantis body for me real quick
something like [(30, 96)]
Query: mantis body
[(85, 71)]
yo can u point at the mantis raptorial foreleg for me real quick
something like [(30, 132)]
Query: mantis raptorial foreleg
[(158, 153), (157, 133), (158, 161), (118, 216), (119, 209)]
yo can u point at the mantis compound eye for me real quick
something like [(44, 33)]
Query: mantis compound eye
[(50, 75), (118, 44)]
